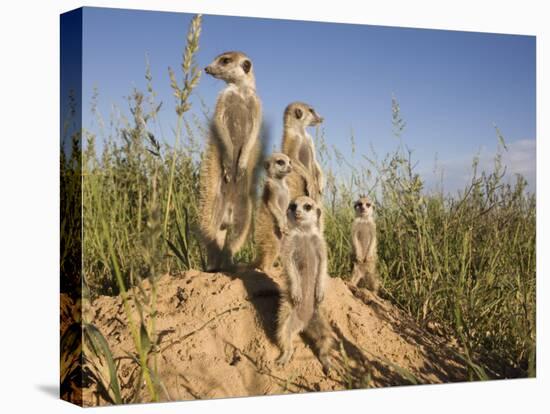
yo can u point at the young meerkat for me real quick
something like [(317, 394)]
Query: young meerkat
[(304, 259), (307, 177), (229, 161), (270, 225), (363, 235)]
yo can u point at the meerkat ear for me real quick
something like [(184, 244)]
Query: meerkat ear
[(246, 65), (298, 112)]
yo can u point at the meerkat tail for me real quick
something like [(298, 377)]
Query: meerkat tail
[(267, 244), (288, 327), (320, 333), (211, 197), (211, 202), (371, 278), (242, 220)]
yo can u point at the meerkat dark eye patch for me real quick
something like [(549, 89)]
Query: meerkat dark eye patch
[(225, 60), (246, 65), (292, 206), (312, 111), (308, 207), (298, 112), (356, 205), (280, 162), (368, 205)]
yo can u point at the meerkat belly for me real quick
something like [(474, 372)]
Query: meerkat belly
[(283, 199), (307, 265), (305, 156), (239, 121), (264, 218), (365, 231)]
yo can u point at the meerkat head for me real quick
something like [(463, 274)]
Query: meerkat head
[(278, 165), (232, 67), (304, 213), (301, 114), (363, 207)]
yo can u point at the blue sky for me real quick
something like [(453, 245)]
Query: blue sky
[(452, 86)]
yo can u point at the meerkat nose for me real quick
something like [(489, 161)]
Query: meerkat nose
[(207, 69)]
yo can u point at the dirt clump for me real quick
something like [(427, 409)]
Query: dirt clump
[(217, 339)]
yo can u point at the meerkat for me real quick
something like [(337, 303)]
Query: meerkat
[(229, 161), (304, 259), (270, 225), (307, 177), (363, 235)]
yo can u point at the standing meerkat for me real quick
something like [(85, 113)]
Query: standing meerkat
[(229, 161), (270, 225), (363, 235), (307, 177), (304, 258)]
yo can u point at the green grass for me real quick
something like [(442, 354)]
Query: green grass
[(465, 261)]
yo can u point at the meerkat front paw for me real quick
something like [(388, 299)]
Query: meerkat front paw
[(227, 173), (241, 170), (284, 230), (319, 295), (296, 295)]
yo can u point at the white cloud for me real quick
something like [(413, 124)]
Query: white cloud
[(519, 158)]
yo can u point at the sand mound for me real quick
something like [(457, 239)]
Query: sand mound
[(217, 339)]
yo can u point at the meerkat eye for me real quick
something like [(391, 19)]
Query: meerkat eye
[(292, 206), (356, 205), (312, 111), (280, 162), (368, 205), (307, 207), (225, 60)]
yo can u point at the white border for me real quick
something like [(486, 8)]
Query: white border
[(29, 201)]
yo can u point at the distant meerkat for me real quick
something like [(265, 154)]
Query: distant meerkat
[(304, 258), (363, 235), (229, 161), (270, 225), (307, 177)]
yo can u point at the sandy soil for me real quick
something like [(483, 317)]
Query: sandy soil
[(217, 339)]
